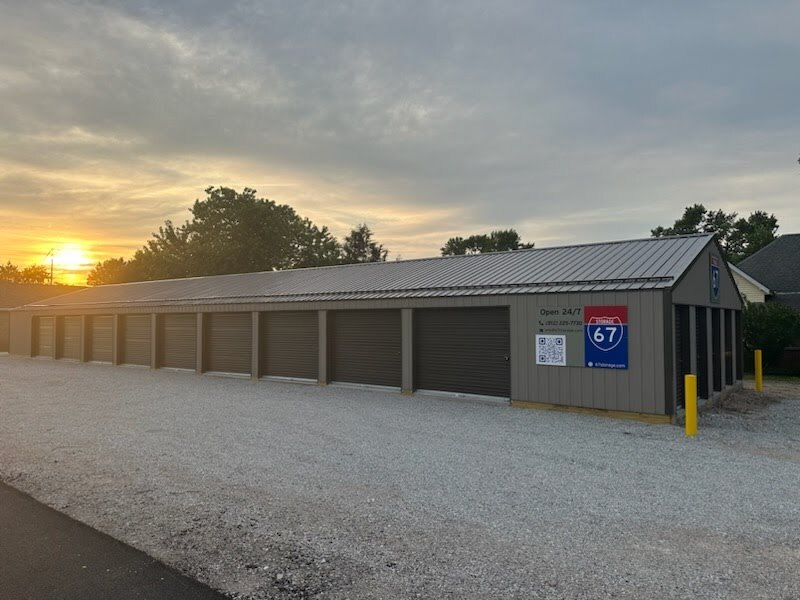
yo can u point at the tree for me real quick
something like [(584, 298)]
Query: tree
[(358, 247), (9, 272), (738, 238), (34, 274), (112, 270), (499, 240), (770, 327), (229, 232), (751, 234)]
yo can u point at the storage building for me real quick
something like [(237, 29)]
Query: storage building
[(608, 326), (17, 294)]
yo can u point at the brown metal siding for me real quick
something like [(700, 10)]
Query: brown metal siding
[(135, 340), (101, 338), (463, 350), (641, 388), (5, 328), (289, 344), (43, 342), (69, 338), (177, 340), (228, 342), (694, 286), (365, 347)]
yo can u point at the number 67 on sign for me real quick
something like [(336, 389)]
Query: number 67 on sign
[(606, 337)]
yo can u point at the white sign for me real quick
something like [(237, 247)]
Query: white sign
[(551, 350)]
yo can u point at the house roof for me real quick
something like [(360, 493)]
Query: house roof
[(776, 265), (792, 299), (17, 294), (652, 263)]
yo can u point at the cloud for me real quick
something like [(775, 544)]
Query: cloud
[(568, 121)]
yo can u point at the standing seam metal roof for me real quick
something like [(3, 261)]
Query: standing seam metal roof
[(652, 263)]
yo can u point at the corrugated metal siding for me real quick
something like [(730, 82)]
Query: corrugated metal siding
[(365, 347), (228, 342), (44, 329), (694, 285), (5, 330), (135, 339), (653, 263), (464, 350), (641, 388), (289, 344), (101, 338), (177, 340), (69, 338)]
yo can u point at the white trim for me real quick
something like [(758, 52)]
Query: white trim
[(749, 279)]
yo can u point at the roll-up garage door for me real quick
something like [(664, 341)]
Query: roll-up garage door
[(101, 338), (69, 338), (44, 336), (135, 332), (365, 347), (228, 342), (464, 350), (4, 330), (289, 344), (177, 341)]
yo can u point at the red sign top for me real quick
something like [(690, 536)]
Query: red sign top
[(599, 314)]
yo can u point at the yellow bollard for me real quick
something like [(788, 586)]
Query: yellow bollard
[(759, 372), (690, 403)]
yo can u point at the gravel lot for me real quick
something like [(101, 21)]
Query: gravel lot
[(277, 490)]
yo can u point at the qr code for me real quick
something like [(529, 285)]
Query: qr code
[(551, 350)]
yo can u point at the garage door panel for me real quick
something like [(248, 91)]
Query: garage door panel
[(289, 344), (365, 347), (463, 350), (177, 341), (101, 338), (135, 332), (228, 342), (44, 330), (69, 338)]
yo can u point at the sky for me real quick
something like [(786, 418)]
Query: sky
[(568, 121)]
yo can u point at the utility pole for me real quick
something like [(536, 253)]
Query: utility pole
[(50, 254)]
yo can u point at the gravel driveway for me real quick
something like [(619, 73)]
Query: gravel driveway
[(277, 490)]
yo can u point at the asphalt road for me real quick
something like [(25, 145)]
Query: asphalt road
[(46, 555)]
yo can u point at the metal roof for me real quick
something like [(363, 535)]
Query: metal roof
[(652, 263)]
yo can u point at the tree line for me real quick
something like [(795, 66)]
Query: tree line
[(738, 238), (237, 232), (32, 274)]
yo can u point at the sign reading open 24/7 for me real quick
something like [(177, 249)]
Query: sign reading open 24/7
[(605, 333)]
